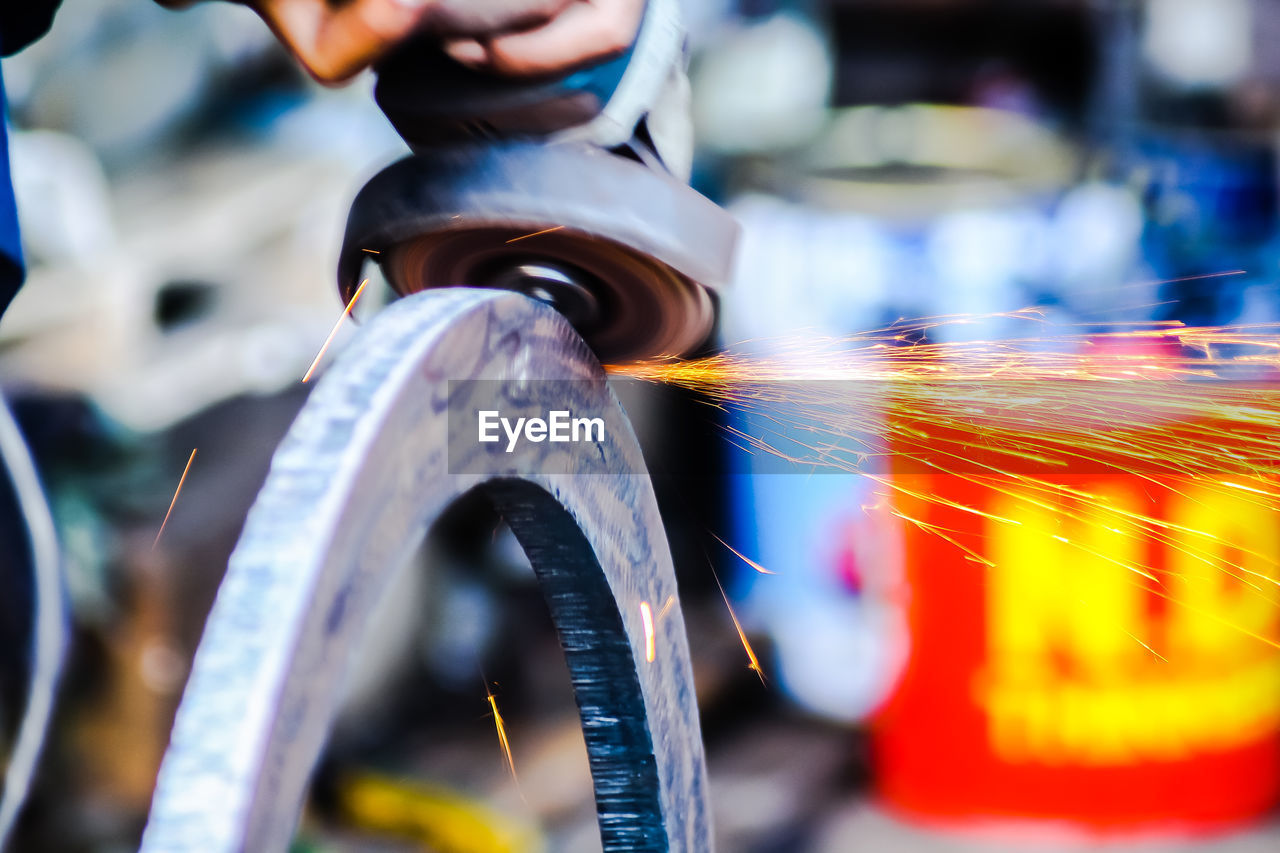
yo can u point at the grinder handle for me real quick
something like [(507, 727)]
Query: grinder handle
[(430, 99)]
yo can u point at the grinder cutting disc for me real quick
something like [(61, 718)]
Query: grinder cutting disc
[(626, 306), (629, 255)]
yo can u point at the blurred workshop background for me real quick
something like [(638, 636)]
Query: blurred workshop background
[(182, 189)]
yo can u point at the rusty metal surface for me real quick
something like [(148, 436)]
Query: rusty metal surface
[(363, 473)]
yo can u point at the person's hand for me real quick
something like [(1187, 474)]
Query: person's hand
[(335, 40), (577, 32)]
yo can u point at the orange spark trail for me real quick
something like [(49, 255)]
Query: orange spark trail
[(534, 234), (338, 325), (753, 661), (502, 732), (176, 492), (646, 618), (1163, 403), (371, 251), (743, 557)]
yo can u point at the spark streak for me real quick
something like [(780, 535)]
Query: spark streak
[(502, 732), (334, 333), (1153, 652), (753, 662), (176, 492), (646, 619), (535, 234), (743, 557)]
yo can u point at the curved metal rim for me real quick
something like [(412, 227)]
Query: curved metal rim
[(50, 627), (601, 665), (352, 489)]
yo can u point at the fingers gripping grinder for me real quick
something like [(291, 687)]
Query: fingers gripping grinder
[(572, 190)]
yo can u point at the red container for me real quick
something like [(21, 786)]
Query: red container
[(1106, 658)]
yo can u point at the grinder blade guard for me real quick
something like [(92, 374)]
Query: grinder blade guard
[(570, 189)]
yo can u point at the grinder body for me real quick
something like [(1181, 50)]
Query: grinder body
[(571, 189)]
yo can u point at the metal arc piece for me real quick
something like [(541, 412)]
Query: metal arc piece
[(49, 622), (363, 473)]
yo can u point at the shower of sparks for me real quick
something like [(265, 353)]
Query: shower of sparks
[(176, 492), (646, 619), (1017, 417), (535, 234), (743, 557), (502, 733), (334, 333)]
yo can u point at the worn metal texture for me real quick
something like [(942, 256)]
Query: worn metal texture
[(365, 470)]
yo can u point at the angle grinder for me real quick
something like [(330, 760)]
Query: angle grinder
[(571, 189)]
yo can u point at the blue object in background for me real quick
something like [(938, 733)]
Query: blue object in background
[(20, 24)]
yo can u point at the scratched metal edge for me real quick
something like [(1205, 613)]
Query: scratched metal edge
[(49, 624), (298, 590)]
